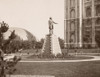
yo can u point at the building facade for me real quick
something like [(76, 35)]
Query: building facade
[(81, 30)]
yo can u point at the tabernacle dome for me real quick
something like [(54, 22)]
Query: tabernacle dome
[(22, 34)]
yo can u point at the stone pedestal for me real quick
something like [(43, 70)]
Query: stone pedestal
[(51, 45)]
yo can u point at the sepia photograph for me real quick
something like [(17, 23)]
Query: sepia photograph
[(49, 38)]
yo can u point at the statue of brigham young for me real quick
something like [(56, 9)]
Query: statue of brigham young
[(51, 22)]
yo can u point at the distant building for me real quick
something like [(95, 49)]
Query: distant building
[(21, 34), (74, 34)]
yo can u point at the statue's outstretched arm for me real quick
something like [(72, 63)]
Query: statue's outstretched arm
[(55, 22)]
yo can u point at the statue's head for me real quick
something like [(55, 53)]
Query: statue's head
[(50, 18)]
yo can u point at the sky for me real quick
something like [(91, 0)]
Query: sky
[(33, 15)]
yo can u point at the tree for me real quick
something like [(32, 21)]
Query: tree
[(39, 44), (3, 47), (27, 45), (42, 42), (14, 46), (33, 44), (7, 43)]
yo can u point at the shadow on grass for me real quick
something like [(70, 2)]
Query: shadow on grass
[(80, 69)]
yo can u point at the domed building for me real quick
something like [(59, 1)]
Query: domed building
[(22, 34)]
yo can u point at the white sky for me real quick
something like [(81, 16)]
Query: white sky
[(33, 15)]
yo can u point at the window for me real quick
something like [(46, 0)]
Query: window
[(97, 1), (98, 21), (72, 3), (72, 13), (72, 26), (98, 10), (89, 23), (88, 12)]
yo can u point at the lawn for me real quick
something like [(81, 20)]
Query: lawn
[(77, 69)]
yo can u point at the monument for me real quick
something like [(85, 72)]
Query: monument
[(51, 43)]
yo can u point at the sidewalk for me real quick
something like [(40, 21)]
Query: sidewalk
[(95, 58), (30, 76)]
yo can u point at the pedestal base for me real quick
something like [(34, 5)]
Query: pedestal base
[(51, 45)]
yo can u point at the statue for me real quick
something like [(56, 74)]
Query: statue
[(51, 45), (51, 22)]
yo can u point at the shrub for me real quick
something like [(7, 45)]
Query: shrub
[(59, 55)]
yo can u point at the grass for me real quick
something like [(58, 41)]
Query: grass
[(77, 69)]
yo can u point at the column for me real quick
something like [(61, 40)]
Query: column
[(68, 27), (80, 23), (93, 24), (65, 22), (68, 38), (84, 22), (76, 12)]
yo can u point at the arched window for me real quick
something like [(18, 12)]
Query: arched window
[(88, 12), (72, 13), (98, 10), (98, 21), (72, 26)]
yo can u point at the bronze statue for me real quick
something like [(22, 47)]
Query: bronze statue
[(51, 22)]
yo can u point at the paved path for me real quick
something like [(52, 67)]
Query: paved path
[(30, 76), (95, 58)]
